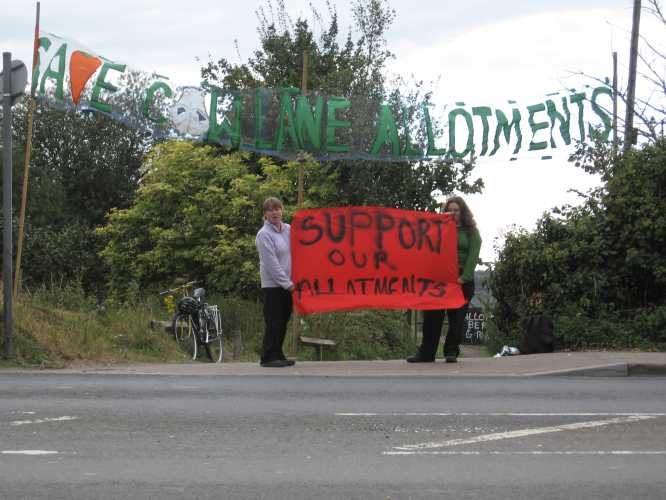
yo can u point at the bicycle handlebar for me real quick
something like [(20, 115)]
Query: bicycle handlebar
[(186, 285)]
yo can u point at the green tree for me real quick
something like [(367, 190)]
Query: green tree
[(195, 215), (597, 266), (354, 70), (82, 165), (197, 211)]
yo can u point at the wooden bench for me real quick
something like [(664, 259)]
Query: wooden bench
[(165, 325), (318, 344)]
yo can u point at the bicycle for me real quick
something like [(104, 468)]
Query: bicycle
[(196, 323), (170, 303)]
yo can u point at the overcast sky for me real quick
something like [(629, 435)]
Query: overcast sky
[(480, 51)]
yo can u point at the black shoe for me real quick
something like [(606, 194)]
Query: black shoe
[(418, 358), (451, 355), (276, 363), (290, 362)]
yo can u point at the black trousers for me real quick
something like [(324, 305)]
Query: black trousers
[(277, 311), (432, 327)]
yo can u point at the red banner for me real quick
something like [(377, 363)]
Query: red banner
[(365, 257)]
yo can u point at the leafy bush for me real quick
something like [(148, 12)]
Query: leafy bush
[(600, 269), (367, 334)]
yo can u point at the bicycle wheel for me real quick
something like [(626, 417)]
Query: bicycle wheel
[(183, 331), (215, 346), (181, 327)]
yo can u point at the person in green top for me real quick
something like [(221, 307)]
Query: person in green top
[(469, 246)]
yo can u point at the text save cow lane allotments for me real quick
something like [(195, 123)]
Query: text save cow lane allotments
[(372, 257)]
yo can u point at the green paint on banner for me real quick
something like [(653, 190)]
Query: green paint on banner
[(58, 75), (386, 131), (565, 121), (432, 149), (599, 111), (101, 84), (150, 99), (332, 124), (217, 131), (536, 126), (503, 126), (308, 121), (452, 133), (286, 120)]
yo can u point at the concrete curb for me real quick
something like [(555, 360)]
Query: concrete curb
[(646, 369), (583, 364), (613, 370)]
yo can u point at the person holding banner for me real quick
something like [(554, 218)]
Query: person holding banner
[(273, 242), (469, 246)]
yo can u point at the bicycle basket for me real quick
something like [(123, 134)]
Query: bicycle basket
[(188, 305)]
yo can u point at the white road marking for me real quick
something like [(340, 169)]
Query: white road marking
[(42, 420), (28, 452), (533, 452), (496, 414), (524, 433)]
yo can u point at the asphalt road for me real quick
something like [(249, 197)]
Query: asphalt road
[(133, 436)]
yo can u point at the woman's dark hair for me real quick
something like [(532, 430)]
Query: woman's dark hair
[(466, 217)]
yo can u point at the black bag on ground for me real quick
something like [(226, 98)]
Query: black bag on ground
[(538, 336)]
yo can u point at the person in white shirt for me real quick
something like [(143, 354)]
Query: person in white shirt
[(274, 247)]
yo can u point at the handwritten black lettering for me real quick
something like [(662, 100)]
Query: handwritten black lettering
[(425, 283), (359, 220), (330, 290), (405, 224), (306, 226), (342, 228), (384, 223), (363, 262), (336, 257), (392, 283), (438, 289), (423, 227), (350, 287), (381, 285), (438, 241), (363, 282), (300, 286), (382, 257)]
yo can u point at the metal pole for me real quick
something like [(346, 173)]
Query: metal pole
[(26, 160), (614, 104), (7, 202), (631, 86)]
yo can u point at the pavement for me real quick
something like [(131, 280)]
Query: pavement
[(470, 364)]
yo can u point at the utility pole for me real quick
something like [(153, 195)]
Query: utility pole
[(614, 104), (629, 135), (26, 159), (7, 320), (301, 174)]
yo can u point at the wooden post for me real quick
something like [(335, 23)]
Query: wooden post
[(413, 324), (301, 175), (631, 86), (304, 89), (26, 159)]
